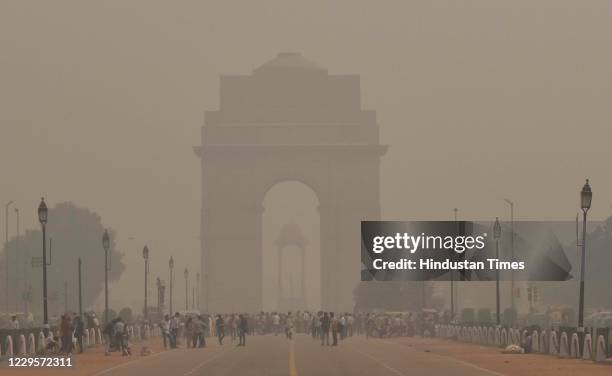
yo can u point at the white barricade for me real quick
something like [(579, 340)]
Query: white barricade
[(600, 355), (504, 337), (99, 334), (8, 344), (21, 345), (543, 342), (535, 341), (564, 346), (553, 343), (575, 346), (587, 349), (42, 341), (31, 344)]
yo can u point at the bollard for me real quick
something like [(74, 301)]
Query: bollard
[(21, 345), (31, 344), (574, 347), (491, 336), (99, 333), (535, 341), (564, 347), (42, 341), (504, 337), (543, 342), (553, 344), (600, 355), (587, 350), (9, 347)]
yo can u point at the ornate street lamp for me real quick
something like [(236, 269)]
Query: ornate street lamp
[(586, 195), (42, 218), (106, 246), (171, 266), (497, 235), (145, 256), (186, 289)]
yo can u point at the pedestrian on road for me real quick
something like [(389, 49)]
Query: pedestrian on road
[(165, 329), (108, 332), (79, 328), (66, 329), (325, 324), (243, 329), (174, 326), (335, 326), (220, 328)]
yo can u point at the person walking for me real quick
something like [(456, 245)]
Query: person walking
[(335, 325), (108, 332), (220, 328), (66, 329), (289, 326), (174, 327), (120, 336), (79, 328), (325, 324), (165, 329), (243, 328)]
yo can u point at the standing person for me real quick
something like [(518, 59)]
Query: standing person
[(108, 335), (165, 329), (325, 324), (289, 326), (350, 321), (276, 323), (66, 329), (342, 326), (243, 328), (220, 328), (189, 332), (120, 336), (79, 328), (14, 324), (174, 327), (334, 327)]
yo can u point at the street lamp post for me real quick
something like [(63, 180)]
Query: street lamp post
[(6, 267), (106, 246), (80, 264), (145, 256), (511, 203), (171, 266), (186, 289), (452, 275), (198, 290), (497, 235), (586, 195), (42, 218)]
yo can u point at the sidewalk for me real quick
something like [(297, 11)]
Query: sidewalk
[(492, 359), (90, 362)]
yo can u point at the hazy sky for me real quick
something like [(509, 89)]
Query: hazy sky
[(101, 102)]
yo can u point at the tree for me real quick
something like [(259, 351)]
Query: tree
[(74, 233)]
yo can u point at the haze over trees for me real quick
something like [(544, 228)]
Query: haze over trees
[(74, 233)]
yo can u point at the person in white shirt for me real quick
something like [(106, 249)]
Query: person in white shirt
[(14, 324), (276, 323)]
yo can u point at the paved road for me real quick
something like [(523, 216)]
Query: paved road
[(271, 356)]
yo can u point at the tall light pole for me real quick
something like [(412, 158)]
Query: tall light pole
[(198, 290), (6, 267), (171, 266), (186, 289), (586, 196), (80, 265), (42, 218), (145, 256), (497, 235), (106, 246), (511, 203), (452, 274), (17, 262)]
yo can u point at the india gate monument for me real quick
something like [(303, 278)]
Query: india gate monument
[(290, 120)]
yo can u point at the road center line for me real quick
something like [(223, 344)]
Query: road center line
[(103, 372), (220, 354), (292, 367), (380, 363)]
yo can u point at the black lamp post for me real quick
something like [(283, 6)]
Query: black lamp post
[(186, 289), (106, 246), (145, 256), (171, 266), (42, 218), (497, 235), (198, 290), (586, 195)]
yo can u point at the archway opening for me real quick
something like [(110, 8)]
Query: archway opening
[(291, 226)]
